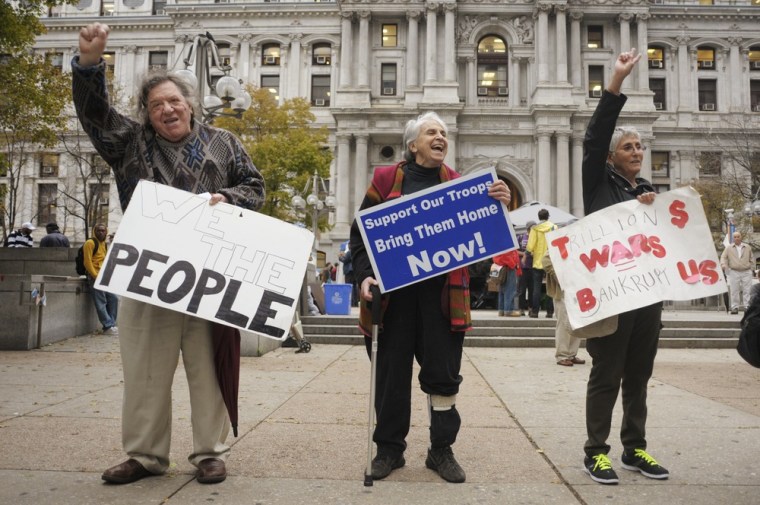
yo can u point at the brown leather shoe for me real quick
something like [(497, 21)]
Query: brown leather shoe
[(211, 471), (578, 361), (565, 362), (129, 471)]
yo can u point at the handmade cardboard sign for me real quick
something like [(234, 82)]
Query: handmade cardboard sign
[(631, 255), (434, 231), (218, 262)]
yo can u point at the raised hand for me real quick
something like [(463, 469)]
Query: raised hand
[(92, 43), (623, 67)]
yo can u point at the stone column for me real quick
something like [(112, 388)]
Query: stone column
[(342, 193), (256, 77), (735, 72), (431, 73), (346, 43), (449, 39), (576, 181), (531, 75), (294, 67), (542, 36), (245, 56), (284, 74), (642, 43), (625, 40), (363, 56), (179, 46), (576, 71), (563, 170), (561, 33), (684, 74), (471, 84), (514, 83), (413, 50), (543, 168), (127, 79), (362, 169)]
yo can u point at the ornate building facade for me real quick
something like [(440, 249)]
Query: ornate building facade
[(515, 80)]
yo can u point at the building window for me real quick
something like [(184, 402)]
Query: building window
[(656, 57), (388, 78), (158, 60), (225, 54), (107, 8), (492, 67), (158, 7), (754, 95), (320, 90), (270, 54), (658, 88), (272, 83), (46, 203), (595, 37), (754, 57), (55, 60), (660, 164), (390, 36), (100, 199), (595, 81), (709, 164), (705, 58), (49, 164), (707, 95), (320, 54)]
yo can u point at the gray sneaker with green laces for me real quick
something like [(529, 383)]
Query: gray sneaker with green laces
[(599, 468), (639, 461)]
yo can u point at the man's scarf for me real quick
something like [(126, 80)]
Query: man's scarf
[(455, 296)]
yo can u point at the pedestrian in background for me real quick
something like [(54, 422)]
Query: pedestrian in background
[(509, 273), (525, 281), (537, 246), (106, 304), (738, 263), (21, 238), (54, 237)]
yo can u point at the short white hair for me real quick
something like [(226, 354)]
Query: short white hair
[(412, 130), (622, 132)]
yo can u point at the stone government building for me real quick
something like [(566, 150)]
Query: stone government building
[(515, 80)]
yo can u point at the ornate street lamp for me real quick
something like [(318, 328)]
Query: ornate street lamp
[(224, 97), (314, 203)]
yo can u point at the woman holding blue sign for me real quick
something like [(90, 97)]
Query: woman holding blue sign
[(425, 320)]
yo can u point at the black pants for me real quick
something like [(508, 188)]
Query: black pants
[(538, 281), (414, 326), (625, 358), (525, 289)]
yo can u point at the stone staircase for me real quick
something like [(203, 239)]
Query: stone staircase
[(525, 332)]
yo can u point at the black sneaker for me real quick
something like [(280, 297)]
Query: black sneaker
[(385, 463), (442, 461), (642, 462), (599, 468)]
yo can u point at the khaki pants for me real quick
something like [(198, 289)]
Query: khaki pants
[(567, 345), (151, 340)]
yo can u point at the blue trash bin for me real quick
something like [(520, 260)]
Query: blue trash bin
[(338, 299)]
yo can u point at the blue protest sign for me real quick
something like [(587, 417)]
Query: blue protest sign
[(434, 231)]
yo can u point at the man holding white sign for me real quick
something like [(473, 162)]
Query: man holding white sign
[(612, 161), (423, 319), (168, 146)]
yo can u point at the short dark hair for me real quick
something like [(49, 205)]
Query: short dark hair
[(51, 227), (543, 214)]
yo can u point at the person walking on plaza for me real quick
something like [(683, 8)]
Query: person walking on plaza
[(21, 238), (612, 159), (106, 304), (425, 320), (537, 247), (510, 264), (738, 262), (54, 237), (525, 281), (168, 145)]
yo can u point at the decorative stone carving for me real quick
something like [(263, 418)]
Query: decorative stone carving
[(524, 28), (465, 27)]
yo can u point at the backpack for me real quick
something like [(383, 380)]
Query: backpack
[(79, 261), (749, 338)]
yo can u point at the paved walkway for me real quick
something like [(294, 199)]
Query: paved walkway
[(303, 433)]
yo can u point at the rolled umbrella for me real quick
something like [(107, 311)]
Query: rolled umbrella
[(227, 362)]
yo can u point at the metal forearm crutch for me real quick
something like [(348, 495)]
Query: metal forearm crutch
[(376, 315)]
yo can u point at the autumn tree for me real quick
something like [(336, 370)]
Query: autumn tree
[(32, 101), (285, 147)]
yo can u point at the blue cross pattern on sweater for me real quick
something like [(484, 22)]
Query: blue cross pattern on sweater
[(193, 153)]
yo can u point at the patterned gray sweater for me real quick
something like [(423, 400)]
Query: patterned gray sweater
[(208, 160)]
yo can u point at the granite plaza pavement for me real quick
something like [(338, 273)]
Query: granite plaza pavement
[(303, 431)]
